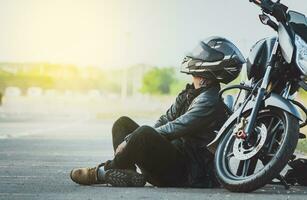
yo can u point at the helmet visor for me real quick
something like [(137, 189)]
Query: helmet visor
[(186, 65), (205, 53)]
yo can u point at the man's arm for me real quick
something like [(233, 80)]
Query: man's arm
[(198, 115), (175, 110), (161, 121)]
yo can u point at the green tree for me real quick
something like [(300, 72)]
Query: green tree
[(158, 80)]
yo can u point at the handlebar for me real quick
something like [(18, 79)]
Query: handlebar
[(277, 9), (266, 5), (258, 2)]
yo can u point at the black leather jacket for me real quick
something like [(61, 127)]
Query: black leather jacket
[(190, 124)]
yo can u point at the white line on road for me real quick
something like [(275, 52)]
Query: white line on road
[(55, 127)]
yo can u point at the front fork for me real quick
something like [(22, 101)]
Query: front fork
[(260, 95), (261, 92)]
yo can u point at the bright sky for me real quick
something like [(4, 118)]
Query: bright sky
[(112, 33)]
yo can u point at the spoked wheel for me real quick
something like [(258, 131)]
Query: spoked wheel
[(244, 165)]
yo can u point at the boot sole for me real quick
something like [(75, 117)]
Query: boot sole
[(124, 178)]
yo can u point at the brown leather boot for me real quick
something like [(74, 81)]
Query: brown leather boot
[(86, 176)]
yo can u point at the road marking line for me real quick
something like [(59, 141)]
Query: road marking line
[(43, 130)]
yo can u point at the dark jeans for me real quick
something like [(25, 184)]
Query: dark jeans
[(159, 160)]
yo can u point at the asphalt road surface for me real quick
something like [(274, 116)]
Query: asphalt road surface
[(37, 156)]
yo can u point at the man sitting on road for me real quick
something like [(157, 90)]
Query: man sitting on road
[(173, 153)]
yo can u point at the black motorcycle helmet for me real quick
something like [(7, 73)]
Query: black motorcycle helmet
[(214, 58)]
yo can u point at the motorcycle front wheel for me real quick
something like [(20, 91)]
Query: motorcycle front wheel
[(244, 166)]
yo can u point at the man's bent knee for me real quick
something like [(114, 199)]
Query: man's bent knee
[(122, 120), (143, 133)]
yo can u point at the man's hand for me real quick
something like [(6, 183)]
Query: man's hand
[(120, 147)]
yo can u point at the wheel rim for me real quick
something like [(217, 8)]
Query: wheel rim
[(258, 156)]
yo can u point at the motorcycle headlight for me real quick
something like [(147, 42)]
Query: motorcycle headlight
[(301, 54)]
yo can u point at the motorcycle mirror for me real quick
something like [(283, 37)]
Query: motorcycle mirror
[(264, 19)]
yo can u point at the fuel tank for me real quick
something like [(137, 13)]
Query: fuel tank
[(258, 58)]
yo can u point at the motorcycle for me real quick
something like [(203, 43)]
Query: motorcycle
[(260, 136)]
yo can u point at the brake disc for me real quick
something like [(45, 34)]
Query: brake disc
[(242, 151)]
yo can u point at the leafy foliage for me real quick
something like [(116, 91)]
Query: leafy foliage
[(158, 80)]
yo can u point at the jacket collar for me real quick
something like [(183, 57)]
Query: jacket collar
[(192, 93)]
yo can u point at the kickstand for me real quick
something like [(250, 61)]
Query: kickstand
[(283, 182)]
